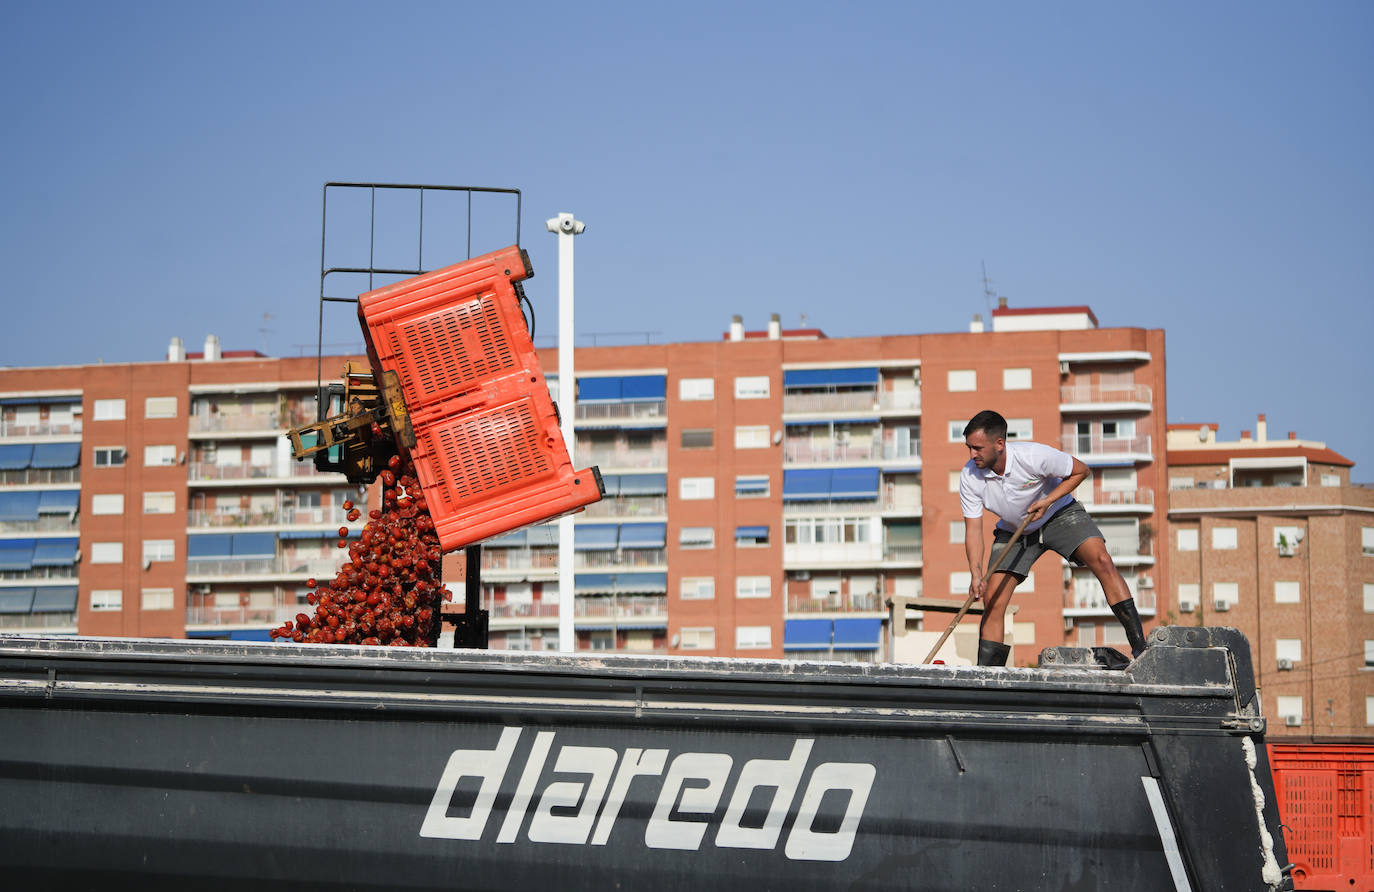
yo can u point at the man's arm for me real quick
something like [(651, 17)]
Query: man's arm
[(1066, 486), (973, 548)]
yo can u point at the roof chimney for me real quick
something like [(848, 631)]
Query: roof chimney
[(1245, 436), (976, 326), (211, 348), (1001, 303), (737, 327), (176, 351), (1262, 429), (774, 328), (1292, 435)]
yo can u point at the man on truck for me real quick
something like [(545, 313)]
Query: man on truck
[(1019, 480)]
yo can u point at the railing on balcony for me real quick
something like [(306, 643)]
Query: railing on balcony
[(12, 621), (1142, 497), (285, 516), (851, 401), (526, 610), (200, 470), (1096, 444), (825, 506), (196, 569), (209, 615), (1077, 394), (43, 429), (629, 507), (46, 523), (619, 606), (519, 558), (1088, 596), (638, 557), (30, 476), (638, 411), (621, 458), (837, 603), (39, 573), (237, 423), (905, 553)]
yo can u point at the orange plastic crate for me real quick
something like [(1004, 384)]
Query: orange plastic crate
[(1326, 803), (488, 450)]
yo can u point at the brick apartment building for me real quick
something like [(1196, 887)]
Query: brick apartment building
[(766, 493), (1269, 536)]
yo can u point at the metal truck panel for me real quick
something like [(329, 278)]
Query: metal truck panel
[(178, 763)]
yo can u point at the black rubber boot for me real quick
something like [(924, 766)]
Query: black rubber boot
[(1130, 620), (992, 653)]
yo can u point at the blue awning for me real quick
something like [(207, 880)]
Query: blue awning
[(596, 536), (630, 388), (621, 583), (806, 634), (854, 483), (54, 552), (209, 547), (15, 456), (56, 455), (16, 600), (34, 400), (750, 485), (858, 634), (308, 534), (255, 545), (591, 390), (643, 535), (610, 485), (16, 506), (755, 532), (827, 422), (54, 599), (594, 583), (806, 485), (643, 484), (59, 501), (16, 554), (513, 539), (250, 635), (799, 379)]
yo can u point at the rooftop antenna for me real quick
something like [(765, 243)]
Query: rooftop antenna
[(989, 294), (265, 331)]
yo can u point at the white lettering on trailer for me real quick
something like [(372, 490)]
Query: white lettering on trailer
[(695, 784)]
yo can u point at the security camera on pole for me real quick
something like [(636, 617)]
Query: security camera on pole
[(565, 227)]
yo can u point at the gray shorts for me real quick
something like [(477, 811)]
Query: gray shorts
[(1069, 528)]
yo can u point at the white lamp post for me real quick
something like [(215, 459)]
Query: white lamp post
[(565, 227)]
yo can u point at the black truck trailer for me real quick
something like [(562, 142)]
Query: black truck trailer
[(187, 765)]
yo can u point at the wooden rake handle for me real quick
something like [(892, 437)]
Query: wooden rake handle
[(968, 602)]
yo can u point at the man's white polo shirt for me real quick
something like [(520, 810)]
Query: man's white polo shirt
[(1033, 471)]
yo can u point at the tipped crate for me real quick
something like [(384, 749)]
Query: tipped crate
[(1326, 802), (487, 446)]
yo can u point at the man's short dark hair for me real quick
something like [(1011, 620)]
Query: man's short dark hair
[(990, 423)]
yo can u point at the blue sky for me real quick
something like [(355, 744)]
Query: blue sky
[(1204, 168)]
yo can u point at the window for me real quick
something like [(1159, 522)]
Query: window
[(825, 587), (1187, 540), (107, 599), (1020, 429), (1369, 597), (751, 486), (1285, 592), (753, 586), (1369, 710), (1290, 707), (1016, 379), (159, 550), (753, 387), (953, 481), (698, 638), (1118, 430), (698, 438), (107, 503), (962, 380), (1368, 653), (751, 537), (697, 488), (1223, 538), (697, 537), (751, 437), (1118, 479), (160, 407), (696, 389), (1331, 480), (1180, 482), (697, 588), (956, 430), (959, 582), (1225, 593), (157, 599), (159, 502), (109, 410), (109, 456), (159, 456), (753, 637), (107, 552), (1367, 541), (1114, 634), (957, 531), (1288, 649), (1189, 593)]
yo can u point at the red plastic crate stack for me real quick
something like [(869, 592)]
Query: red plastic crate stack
[(1326, 803), (488, 452)]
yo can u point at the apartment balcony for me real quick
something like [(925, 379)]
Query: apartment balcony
[(851, 401), (646, 506), (1097, 450), (1096, 398), (244, 616), (870, 602), (199, 470), (46, 523), (1086, 600), (237, 568), (287, 516), (832, 555), (234, 423), (856, 507), (647, 413), (616, 607), (44, 429), (621, 458), (521, 611), (902, 554), (38, 574), (40, 476), (1119, 501), (37, 622), (499, 559), (606, 560)]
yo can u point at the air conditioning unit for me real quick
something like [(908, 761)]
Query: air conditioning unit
[(801, 575), (1063, 366), (1221, 605), (1293, 721), (1145, 582), (1068, 624), (1186, 606), (1285, 664)]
